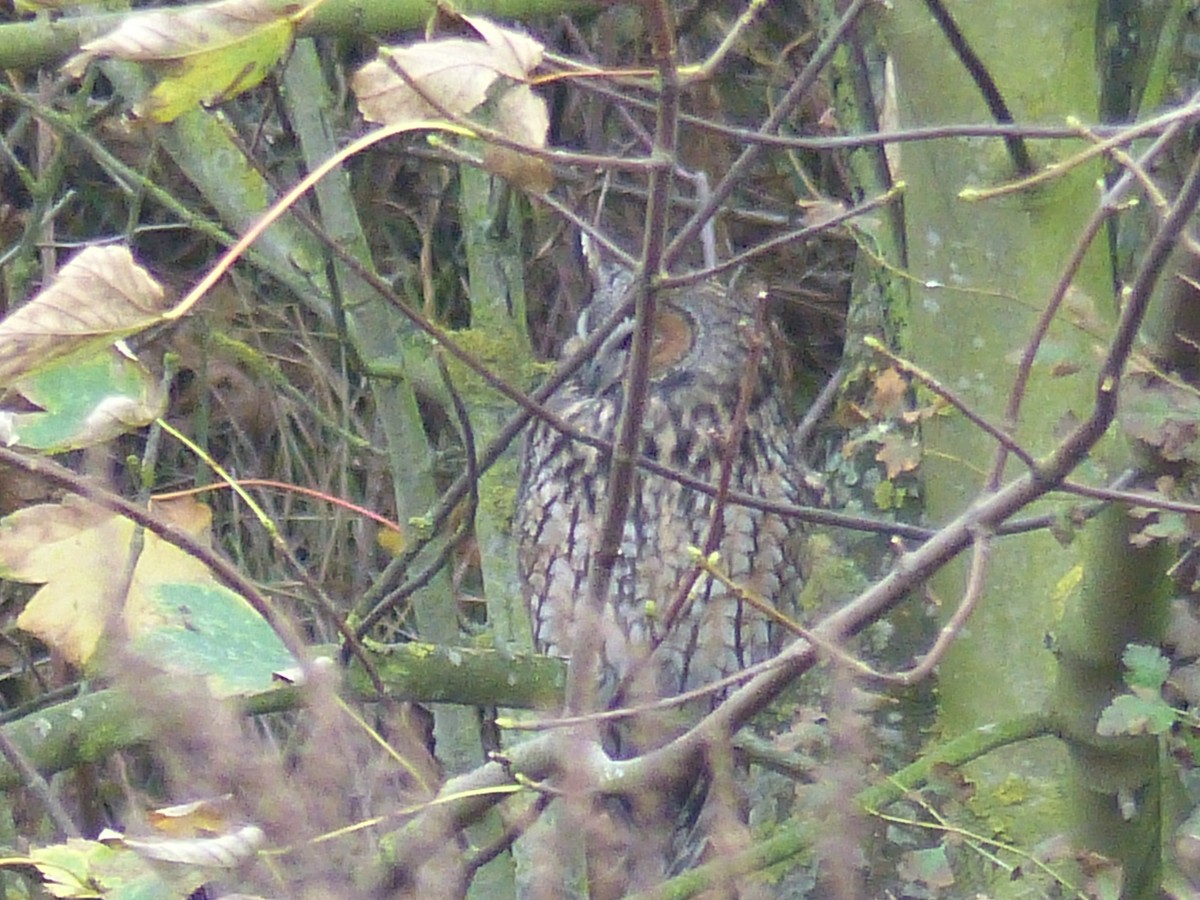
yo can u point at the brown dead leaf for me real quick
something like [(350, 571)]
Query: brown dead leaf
[(898, 454), (459, 74), (1162, 415), (522, 52), (818, 212), (530, 174), (79, 553), (521, 114), (456, 72), (888, 394), (1065, 369), (100, 296)]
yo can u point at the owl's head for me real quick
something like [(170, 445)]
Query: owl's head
[(701, 332)]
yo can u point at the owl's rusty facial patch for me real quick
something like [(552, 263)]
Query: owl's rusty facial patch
[(674, 335)]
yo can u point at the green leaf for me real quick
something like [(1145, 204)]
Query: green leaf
[(86, 403), (66, 868), (205, 54), (216, 76), (1145, 667), (209, 630), (1130, 714), (930, 868), (82, 868)]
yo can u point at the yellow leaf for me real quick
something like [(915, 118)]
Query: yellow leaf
[(211, 815), (1067, 585), (206, 54), (394, 542), (80, 555)]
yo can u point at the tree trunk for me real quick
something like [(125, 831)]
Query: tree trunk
[(984, 270)]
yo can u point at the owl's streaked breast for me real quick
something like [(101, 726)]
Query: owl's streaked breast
[(563, 496)]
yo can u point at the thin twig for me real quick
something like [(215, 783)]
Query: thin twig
[(731, 444), (1015, 144), (783, 110), (933, 384), (622, 473), (32, 779), (950, 631)]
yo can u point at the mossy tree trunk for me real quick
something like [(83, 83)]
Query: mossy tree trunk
[(984, 272)]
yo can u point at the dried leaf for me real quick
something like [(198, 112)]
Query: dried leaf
[(459, 74), (888, 394), (526, 172), (226, 851), (100, 296), (1162, 415), (522, 53), (521, 114), (899, 454), (818, 212), (207, 53), (1065, 369), (185, 820)]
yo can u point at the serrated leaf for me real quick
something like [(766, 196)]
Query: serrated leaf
[(82, 868), (889, 393), (1145, 667), (1131, 715), (99, 297), (66, 868), (205, 54)]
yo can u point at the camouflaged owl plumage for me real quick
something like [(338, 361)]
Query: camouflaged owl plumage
[(698, 363)]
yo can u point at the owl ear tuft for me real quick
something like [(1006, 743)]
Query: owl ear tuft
[(610, 281)]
